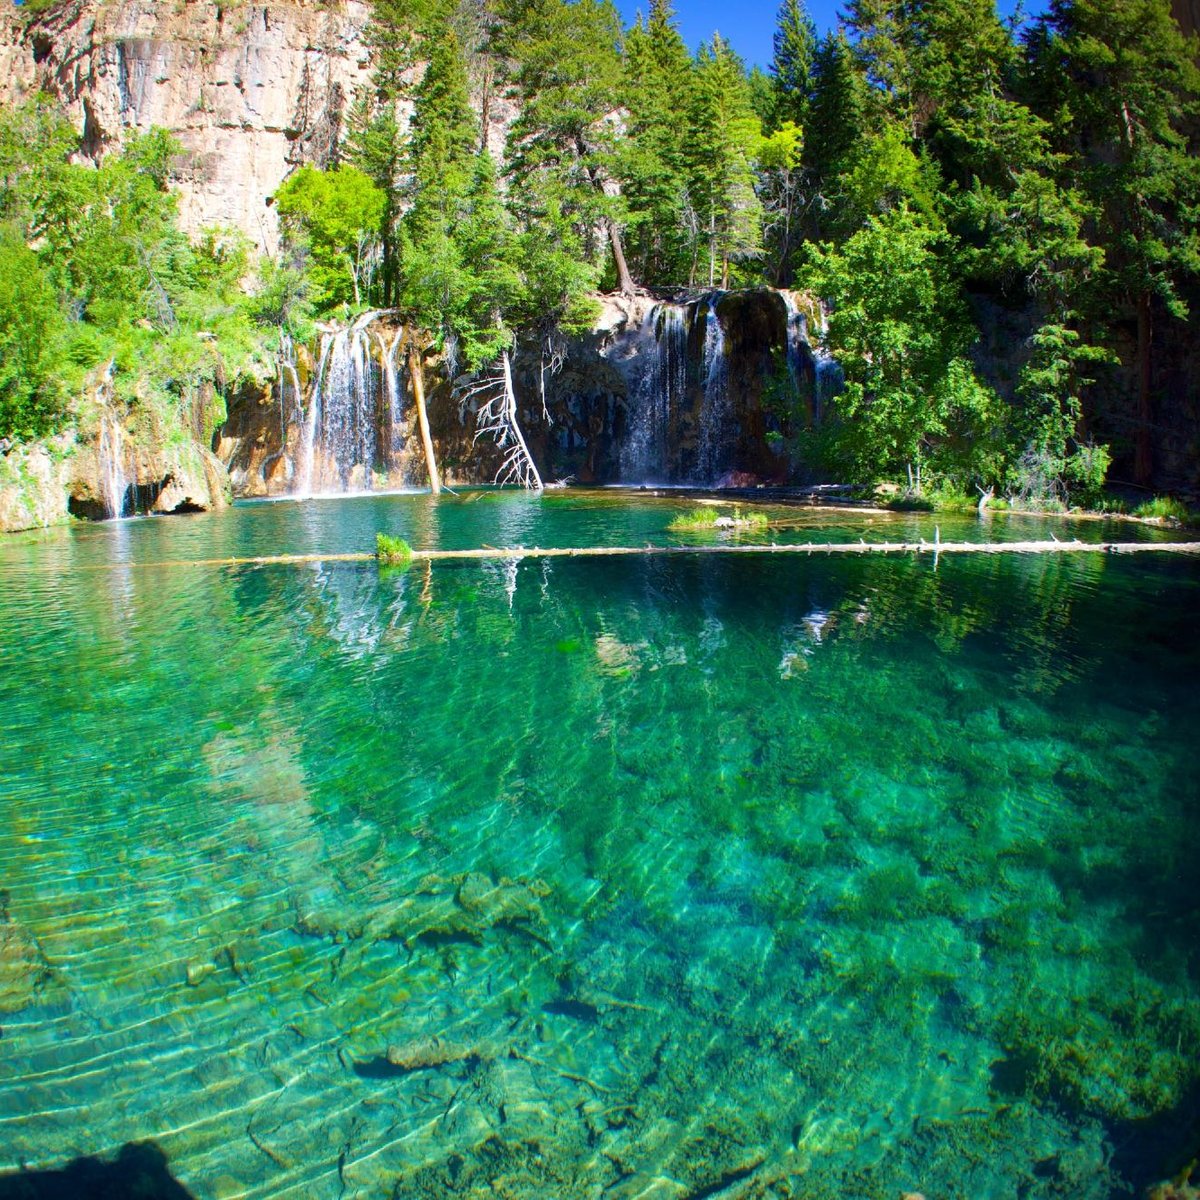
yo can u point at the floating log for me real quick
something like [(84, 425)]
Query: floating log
[(936, 548)]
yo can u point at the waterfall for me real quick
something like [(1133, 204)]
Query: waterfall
[(304, 481), (798, 349), (657, 392), (338, 451), (111, 456), (829, 379), (392, 394), (713, 450)]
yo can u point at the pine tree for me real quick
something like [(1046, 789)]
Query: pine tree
[(1122, 83), (650, 160), (793, 63), (834, 133), (883, 45), (436, 286), (724, 139), (567, 76)]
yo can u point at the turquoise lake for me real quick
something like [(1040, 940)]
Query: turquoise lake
[(659, 878)]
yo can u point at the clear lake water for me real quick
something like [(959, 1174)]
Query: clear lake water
[(623, 878)]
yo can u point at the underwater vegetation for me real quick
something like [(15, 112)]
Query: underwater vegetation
[(794, 879)]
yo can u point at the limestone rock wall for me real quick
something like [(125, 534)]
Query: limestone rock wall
[(34, 484), (251, 91)]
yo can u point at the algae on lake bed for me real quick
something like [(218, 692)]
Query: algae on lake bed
[(814, 878)]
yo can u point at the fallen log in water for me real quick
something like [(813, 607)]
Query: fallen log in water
[(936, 548)]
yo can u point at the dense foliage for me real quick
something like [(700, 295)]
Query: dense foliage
[(98, 284), (927, 170)]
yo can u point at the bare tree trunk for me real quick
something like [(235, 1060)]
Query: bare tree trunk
[(623, 276), (1142, 464), (416, 373), (625, 280), (485, 115)]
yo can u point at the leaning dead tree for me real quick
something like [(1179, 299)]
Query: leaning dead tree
[(496, 417)]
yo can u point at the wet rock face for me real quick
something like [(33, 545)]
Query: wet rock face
[(33, 484), (713, 369), (699, 391), (175, 478)]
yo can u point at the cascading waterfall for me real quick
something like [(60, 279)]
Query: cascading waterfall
[(798, 350), (829, 379), (713, 450), (659, 390), (391, 392), (338, 452), (111, 453)]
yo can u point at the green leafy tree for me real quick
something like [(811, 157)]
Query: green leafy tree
[(781, 190), (901, 332), (335, 215), (31, 328)]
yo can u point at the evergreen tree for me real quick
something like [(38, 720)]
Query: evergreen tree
[(834, 133), (561, 147), (374, 145), (724, 140), (793, 64), (650, 161), (883, 43), (1121, 81)]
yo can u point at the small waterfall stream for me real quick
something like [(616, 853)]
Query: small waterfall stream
[(798, 350), (111, 454), (829, 378), (714, 450)]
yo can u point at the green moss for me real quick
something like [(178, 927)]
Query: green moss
[(393, 551)]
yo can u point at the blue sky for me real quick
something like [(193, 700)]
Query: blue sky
[(749, 25)]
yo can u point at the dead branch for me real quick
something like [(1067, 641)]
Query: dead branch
[(496, 416)]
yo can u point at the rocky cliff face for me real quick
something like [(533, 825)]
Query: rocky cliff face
[(688, 390), (251, 91)]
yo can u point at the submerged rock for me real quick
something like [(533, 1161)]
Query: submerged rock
[(458, 907), (435, 1052), (24, 972)]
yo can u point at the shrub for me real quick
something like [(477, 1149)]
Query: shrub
[(1165, 508), (704, 518), (393, 551)]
